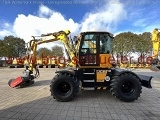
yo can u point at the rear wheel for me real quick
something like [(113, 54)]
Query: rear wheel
[(126, 87), (64, 87)]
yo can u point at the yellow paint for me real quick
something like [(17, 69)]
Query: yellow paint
[(101, 74), (14, 61), (105, 61), (141, 65), (133, 65), (155, 42), (51, 60), (147, 66)]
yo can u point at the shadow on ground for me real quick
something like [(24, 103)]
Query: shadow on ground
[(41, 83)]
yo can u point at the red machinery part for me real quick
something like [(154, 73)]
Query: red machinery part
[(16, 82)]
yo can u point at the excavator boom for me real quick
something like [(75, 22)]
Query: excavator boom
[(156, 46), (47, 38), (156, 42)]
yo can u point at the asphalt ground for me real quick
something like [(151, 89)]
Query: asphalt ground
[(36, 103)]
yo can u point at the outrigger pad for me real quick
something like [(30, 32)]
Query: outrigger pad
[(155, 68), (145, 80)]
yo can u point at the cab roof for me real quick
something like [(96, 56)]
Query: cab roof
[(110, 34)]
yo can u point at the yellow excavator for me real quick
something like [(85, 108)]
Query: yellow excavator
[(155, 66), (90, 58)]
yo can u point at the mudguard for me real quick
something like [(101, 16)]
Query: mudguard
[(16, 82), (144, 79), (72, 72)]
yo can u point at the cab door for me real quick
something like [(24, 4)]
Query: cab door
[(105, 50), (88, 53)]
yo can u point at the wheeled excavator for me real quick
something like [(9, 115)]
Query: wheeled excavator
[(90, 58), (155, 66)]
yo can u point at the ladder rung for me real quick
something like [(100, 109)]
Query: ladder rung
[(89, 73), (88, 80), (88, 88)]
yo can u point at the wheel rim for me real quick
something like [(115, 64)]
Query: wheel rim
[(128, 88), (63, 87)]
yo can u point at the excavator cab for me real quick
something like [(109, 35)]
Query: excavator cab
[(94, 49)]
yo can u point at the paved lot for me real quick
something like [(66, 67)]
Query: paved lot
[(35, 102)]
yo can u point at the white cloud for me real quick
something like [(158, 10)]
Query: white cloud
[(47, 20), (44, 11), (6, 25), (5, 33), (5, 29), (104, 18), (141, 22), (27, 26)]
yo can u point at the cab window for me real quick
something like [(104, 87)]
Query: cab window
[(105, 42), (89, 44)]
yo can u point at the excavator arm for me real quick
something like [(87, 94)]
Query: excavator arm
[(31, 53), (47, 38)]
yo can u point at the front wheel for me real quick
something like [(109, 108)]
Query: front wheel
[(64, 87), (126, 87)]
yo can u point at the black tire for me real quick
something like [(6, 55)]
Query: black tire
[(126, 87), (64, 87)]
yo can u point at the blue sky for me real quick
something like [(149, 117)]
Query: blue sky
[(26, 18)]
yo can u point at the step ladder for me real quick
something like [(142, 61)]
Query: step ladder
[(88, 82)]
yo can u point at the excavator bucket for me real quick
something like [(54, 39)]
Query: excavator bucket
[(15, 82), (155, 68)]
